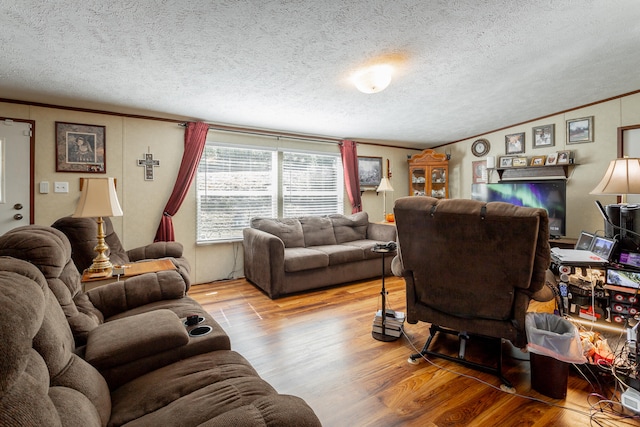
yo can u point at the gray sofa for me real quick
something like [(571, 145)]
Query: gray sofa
[(288, 255)]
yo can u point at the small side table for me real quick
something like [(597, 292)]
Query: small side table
[(133, 269), (384, 332)]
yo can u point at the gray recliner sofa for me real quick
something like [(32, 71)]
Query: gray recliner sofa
[(288, 255)]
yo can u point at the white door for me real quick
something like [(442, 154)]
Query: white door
[(15, 174)]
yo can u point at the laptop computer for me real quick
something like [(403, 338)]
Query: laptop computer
[(599, 253)]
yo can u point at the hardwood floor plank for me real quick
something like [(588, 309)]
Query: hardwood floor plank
[(319, 346)]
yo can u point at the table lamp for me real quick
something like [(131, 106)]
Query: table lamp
[(621, 178), (384, 186), (99, 199)]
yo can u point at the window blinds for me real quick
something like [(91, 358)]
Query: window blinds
[(235, 184)]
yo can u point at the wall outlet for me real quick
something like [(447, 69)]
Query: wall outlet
[(60, 187)]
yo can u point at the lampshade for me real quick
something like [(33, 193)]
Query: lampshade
[(373, 79), (622, 177), (385, 185), (98, 199)]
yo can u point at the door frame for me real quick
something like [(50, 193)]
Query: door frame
[(32, 153)]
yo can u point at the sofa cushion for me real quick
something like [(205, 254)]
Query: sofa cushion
[(298, 259), (318, 230), (347, 228), (340, 254), (366, 245), (289, 230)]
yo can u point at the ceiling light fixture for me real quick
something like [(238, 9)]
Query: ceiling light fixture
[(373, 79)]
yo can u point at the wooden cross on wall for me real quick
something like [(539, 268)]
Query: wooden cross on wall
[(149, 163)]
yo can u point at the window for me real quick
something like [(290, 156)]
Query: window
[(311, 184), (236, 183)]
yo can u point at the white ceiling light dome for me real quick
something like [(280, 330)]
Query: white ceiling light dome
[(373, 79)]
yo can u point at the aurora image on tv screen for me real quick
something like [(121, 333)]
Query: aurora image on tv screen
[(550, 195)]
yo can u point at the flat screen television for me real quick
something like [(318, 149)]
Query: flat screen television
[(549, 194)]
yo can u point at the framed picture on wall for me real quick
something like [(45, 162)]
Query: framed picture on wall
[(80, 148), (479, 171), (543, 136), (369, 171), (514, 143), (580, 130)]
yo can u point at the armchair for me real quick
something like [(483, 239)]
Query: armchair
[(82, 232), (471, 269)]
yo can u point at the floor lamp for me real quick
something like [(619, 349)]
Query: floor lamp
[(384, 186), (99, 199)]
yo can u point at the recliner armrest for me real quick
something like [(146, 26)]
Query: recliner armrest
[(156, 250), (136, 291), (133, 338)]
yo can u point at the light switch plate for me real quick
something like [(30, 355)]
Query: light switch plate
[(60, 187), (44, 187)]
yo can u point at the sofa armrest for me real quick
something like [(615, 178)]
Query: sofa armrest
[(263, 259), (136, 291), (133, 338), (156, 250), (382, 232)]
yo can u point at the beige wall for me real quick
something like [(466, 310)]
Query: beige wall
[(592, 158), (128, 139)]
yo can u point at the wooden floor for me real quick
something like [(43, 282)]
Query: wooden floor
[(319, 346)]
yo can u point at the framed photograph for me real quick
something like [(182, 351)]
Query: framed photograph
[(584, 242), (544, 136), (506, 162), (519, 162), (602, 246), (580, 130), (552, 159), (80, 148), (514, 143), (538, 160), (479, 171), (369, 171), (563, 158)]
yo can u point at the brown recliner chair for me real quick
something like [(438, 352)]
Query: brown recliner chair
[(471, 269), (82, 233), (126, 302)]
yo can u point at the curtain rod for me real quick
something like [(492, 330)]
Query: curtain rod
[(295, 136), (284, 135)]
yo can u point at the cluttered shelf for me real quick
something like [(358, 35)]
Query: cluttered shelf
[(519, 172)]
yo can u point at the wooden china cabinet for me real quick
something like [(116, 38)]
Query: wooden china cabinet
[(429, 174)]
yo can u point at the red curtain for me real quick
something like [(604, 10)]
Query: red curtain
[(349, 152), (195, 137)]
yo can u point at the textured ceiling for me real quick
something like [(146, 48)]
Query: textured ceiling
[(462, 67)]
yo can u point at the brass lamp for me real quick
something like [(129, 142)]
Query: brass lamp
[(99, 199), (621, 178)]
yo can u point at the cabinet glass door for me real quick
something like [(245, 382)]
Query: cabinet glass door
[(438, 183), (418, 180)]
